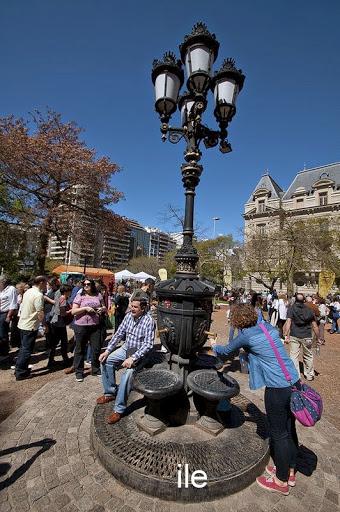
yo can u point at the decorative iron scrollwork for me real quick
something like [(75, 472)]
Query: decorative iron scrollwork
[(175, 136)]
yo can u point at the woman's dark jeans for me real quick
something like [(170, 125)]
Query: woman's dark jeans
[(283, 437), (83, 335)]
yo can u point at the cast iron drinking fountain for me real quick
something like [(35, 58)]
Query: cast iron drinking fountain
[(187, 388)]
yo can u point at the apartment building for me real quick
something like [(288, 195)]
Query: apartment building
[(139, 240), (160, 243), (111, 251)]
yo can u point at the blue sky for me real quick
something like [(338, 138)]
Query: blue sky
[(91, 60)]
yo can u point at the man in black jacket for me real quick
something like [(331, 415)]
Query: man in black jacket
[(298, 330)]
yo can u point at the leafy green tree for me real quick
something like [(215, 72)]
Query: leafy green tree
[(13, 248), (219, 258), (169, 263)]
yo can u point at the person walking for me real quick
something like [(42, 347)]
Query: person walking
[(31, 315), (87, 307), (265, 370), (335, 313), (323, 318), (282, 312), (8, 309), (256, 302), (298, 332), (138, 330), (15, 333), (52, 290)]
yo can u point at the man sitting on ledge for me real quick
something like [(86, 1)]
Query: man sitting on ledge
[(138, 330)]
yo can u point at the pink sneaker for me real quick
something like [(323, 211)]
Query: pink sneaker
[(271, 470), (270, 485)]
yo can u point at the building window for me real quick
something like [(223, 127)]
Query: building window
[(261, 206), (299, 202), (323, 199), (261, 229)]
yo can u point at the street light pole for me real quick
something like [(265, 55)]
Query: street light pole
[(198, 53), (187, 321), (214, 231)]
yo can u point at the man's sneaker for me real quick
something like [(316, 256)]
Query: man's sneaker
[(271, 470), (79, 379), (271, 485), (30, 366)]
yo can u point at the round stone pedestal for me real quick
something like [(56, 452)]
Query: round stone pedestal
[(231, 461)]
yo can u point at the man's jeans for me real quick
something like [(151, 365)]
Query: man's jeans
[(307, 355), (335, 327), (26, 348), (4, 329), (109, 368)]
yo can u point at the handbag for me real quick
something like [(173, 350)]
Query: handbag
[(305, 403)]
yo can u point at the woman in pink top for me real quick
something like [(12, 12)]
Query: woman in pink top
[(86, 308)]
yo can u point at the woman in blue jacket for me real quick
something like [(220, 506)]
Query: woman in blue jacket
[(264, 370)]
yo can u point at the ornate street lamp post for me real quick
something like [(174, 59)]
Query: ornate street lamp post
[(191, 392), (185, 302), (197, 395)]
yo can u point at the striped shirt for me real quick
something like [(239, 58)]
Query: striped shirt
[(8, 299), (138, 332)]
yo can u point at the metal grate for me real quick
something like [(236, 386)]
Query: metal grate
[(212, 381), (156, 379), (233, 450)]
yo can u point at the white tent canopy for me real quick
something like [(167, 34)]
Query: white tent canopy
[(141, 276), (124, 274)]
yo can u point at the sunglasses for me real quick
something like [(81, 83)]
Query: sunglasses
[(87, 284)]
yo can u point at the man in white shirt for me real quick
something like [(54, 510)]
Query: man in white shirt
[(31, 315), (8, 307)]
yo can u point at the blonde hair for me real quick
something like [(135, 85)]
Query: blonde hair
[(121, 288)]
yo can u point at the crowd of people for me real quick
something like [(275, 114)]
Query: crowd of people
[(274, 306), (86, 307), (48, 308)]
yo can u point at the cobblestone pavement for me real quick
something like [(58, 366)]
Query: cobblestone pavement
[(46, 463)]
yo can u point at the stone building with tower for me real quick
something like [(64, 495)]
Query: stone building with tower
[(313, 194)]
